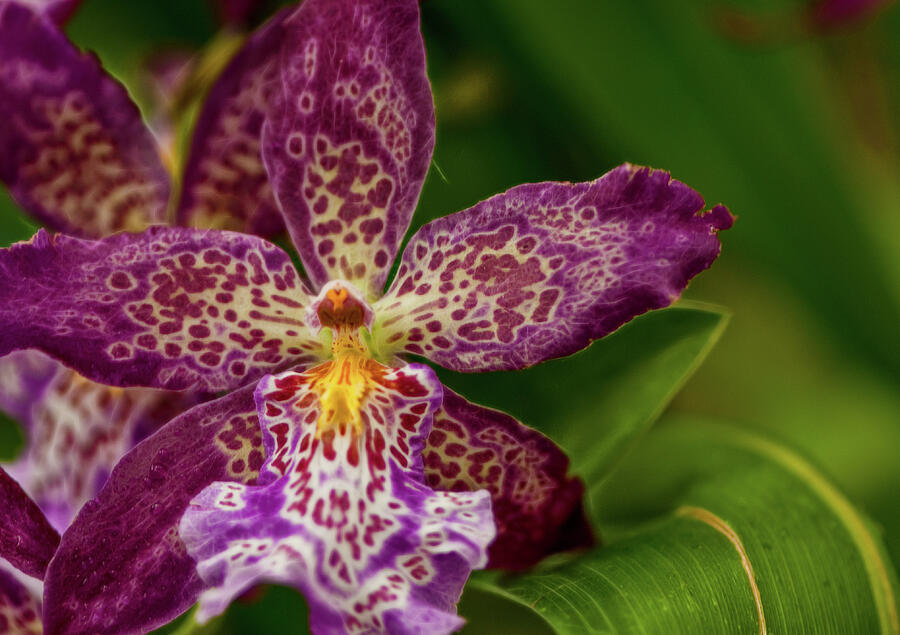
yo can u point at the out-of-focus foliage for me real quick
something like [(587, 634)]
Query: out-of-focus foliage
[(800, 136)]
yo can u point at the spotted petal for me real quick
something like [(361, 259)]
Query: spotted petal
[(537, 506), (542, 270), (76, 431), (168, 308), (27, 540), (225, 182), (20, 611), (121, 566), (349, 150), (24, 379), (75, 152), (342, 515)]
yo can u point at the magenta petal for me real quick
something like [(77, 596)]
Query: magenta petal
[(167, 308), (76, 431), (349, 150), (225, 182), (20, 610), (344, 516), (121, 566), (75, 151), (27, 540), (24, 378), (537, 506), (57, 10), (542, 270)]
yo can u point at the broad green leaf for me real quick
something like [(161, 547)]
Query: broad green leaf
[(717, 530), (597, 402)]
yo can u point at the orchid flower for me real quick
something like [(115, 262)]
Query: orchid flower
[(333, 465), (27, 542)]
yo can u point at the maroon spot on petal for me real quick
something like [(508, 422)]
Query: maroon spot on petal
[(526, 244), (458, 314), (378, 196), (455, 450), (255, 460), (295, 142), (326, 247), (545, 303), (120, 280), (147, 341), (224, 298), (198, 330), (434, 326), (381, 258), (238, 368), (230, 315), (237, 466), (321, 205), (441, 342), (210, 359), (350, 238), (173, 350), (119, 351), (167, 328)]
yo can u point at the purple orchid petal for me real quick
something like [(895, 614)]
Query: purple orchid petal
[(343, 514), (57, 10), (121, 566), (75, 151), (542, 270), (24, 379), (537, 507), (20, 609), (168, 308), (225, 182), (76, 432), (349, 150), (27, 540)]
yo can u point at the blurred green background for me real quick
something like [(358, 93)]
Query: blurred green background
[(797, 131)]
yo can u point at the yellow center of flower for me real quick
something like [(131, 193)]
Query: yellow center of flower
[(343, 383)]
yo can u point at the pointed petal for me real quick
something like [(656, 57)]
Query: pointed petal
[(20, 610), (542, 270), (344, 516), (76, 432), (75, 151), (27, 540), (537, 506), (225, 182), (349, 151), (121, 566), (167, 308)]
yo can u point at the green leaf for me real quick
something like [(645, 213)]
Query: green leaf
[(598, 402), (717, 530)]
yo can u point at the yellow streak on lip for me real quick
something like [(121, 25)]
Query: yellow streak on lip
[(341, 387), (706, 516)]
